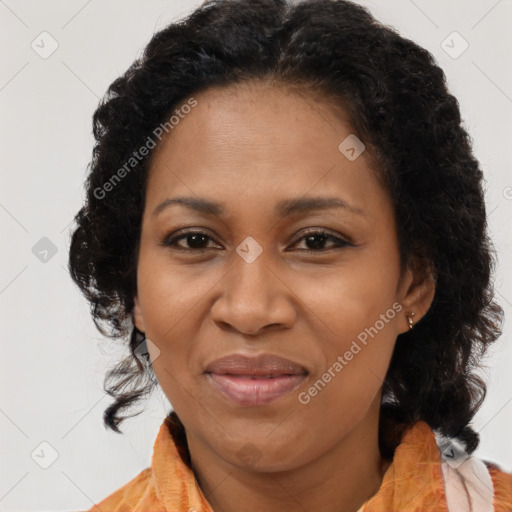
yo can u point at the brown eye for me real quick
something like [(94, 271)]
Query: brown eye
[(198, 241), (315, 240), (195, 241)]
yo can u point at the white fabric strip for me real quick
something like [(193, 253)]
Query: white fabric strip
[(468, 487)]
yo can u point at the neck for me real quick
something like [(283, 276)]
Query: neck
[(339, 480)]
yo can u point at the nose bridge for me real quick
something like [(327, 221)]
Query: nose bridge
[(252, 295), (252, 274)]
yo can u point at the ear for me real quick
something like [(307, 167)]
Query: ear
[(416, 291), (137, 316)]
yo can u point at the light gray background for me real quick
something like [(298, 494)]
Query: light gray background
[(53, 359)]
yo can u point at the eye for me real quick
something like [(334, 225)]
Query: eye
[(318, 238), (197, 241)]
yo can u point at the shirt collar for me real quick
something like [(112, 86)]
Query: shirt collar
[(413, 482)]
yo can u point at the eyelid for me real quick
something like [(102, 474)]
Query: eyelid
[(179, 234), (345, 241), (170, 240)]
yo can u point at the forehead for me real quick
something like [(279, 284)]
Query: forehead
[(256, 141), (260, 113)]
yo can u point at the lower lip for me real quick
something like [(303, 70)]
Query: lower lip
[(246, 391)]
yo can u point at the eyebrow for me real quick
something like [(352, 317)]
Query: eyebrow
[(283, 208)]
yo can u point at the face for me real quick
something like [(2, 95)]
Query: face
[(318, 286)]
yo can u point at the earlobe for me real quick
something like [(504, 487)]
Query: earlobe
[(137, 319), (418, 298)]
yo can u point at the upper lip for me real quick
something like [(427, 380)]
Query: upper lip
[(263, 364)]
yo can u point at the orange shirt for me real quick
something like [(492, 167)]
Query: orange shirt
[(412, 483)]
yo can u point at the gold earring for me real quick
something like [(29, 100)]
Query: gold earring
[(409, 315)]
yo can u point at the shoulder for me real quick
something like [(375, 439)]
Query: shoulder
[(502, 482), (126, 496)]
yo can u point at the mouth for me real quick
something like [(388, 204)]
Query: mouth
[(251, 380), (256, 376), (254, 390)]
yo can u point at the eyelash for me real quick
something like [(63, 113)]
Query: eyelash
[(170, 241)]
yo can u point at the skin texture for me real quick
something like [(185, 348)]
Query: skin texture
[(249, 146)]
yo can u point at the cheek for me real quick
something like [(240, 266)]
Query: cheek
[(168, 298), (353, 376), (169, 291), (355, 311), (352, 298)]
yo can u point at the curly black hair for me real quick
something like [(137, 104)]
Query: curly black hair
[(400, 107)]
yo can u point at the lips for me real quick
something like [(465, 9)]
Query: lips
[(263, 365), (253, 381)]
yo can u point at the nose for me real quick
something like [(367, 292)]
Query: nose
[(254, 298)]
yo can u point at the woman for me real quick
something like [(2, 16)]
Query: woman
[(285, 216)]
